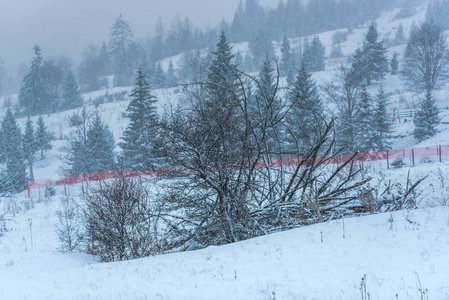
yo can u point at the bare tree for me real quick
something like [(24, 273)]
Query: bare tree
[(236, 181), (69, 225), (120, 220), (426, 58)]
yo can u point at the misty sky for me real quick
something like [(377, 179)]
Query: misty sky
[(67, 26)]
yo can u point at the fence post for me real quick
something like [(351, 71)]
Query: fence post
[(439, 152), (413, 156), (388, 161)]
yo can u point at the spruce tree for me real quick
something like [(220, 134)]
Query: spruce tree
[(122, 51), (35, 95), (141, 133), (286, 59), (42, 137), (100, 146), (399, 38), (366, 134), (370, 63), (221, 77), (29, 146), (427, 118), (394, 64), (313, 56), (261, 47), (13, 178), (171, 78), (306, 119), (382, 125), (71, 95)]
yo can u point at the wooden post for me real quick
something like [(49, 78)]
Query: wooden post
[(413, 156), (440, 152), (388, 161)]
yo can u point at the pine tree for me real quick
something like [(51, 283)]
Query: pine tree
[(71, 95), (159, 78), (29, 146), (221, 77), (366, 134), (306, 120), (42, 137), (394, 64), (382, 125), (261, 47), (171, 78), (370, 62), (122, 51), (141, 133), (427, 118), (13, 178), (313, 56), (35, 95), (100, 147), (286, 64), (399, 38)]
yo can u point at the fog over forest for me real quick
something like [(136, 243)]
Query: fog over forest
[(67, 26)]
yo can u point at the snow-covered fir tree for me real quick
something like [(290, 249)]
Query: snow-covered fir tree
[(43, 137), (13, 177), (366, 135), (306, 119), (394, 64), (261, 47), (122, 51), (313, 56), (71, 94), (382, 123), (171, 78), (427, 118), (29, 146), (138, 139), (287, 63), (35, 96), (370, 63), (100, 146)]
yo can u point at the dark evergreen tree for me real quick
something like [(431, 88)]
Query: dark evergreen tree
[(157, 45), (171, 78), (427, 118), (366, 135), (35, 95), (29, 146), (158, 79), (138, 151), (71, 95), (313, 56), (382, 124), (221, 78), (261, 47), (306, 119), (400, 38), (285, 64), (394, 64), (13, 178), (370, 63), (42, 137), (122, 51), (100, 147)]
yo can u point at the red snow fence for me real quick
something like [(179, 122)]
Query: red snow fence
[(411, 155)]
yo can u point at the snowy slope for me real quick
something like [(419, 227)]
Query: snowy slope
[(399, 253)]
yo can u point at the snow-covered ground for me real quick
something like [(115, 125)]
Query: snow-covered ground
[(400, 253)]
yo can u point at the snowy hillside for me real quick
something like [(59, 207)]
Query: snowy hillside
[(399, 253), (404, 254)]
